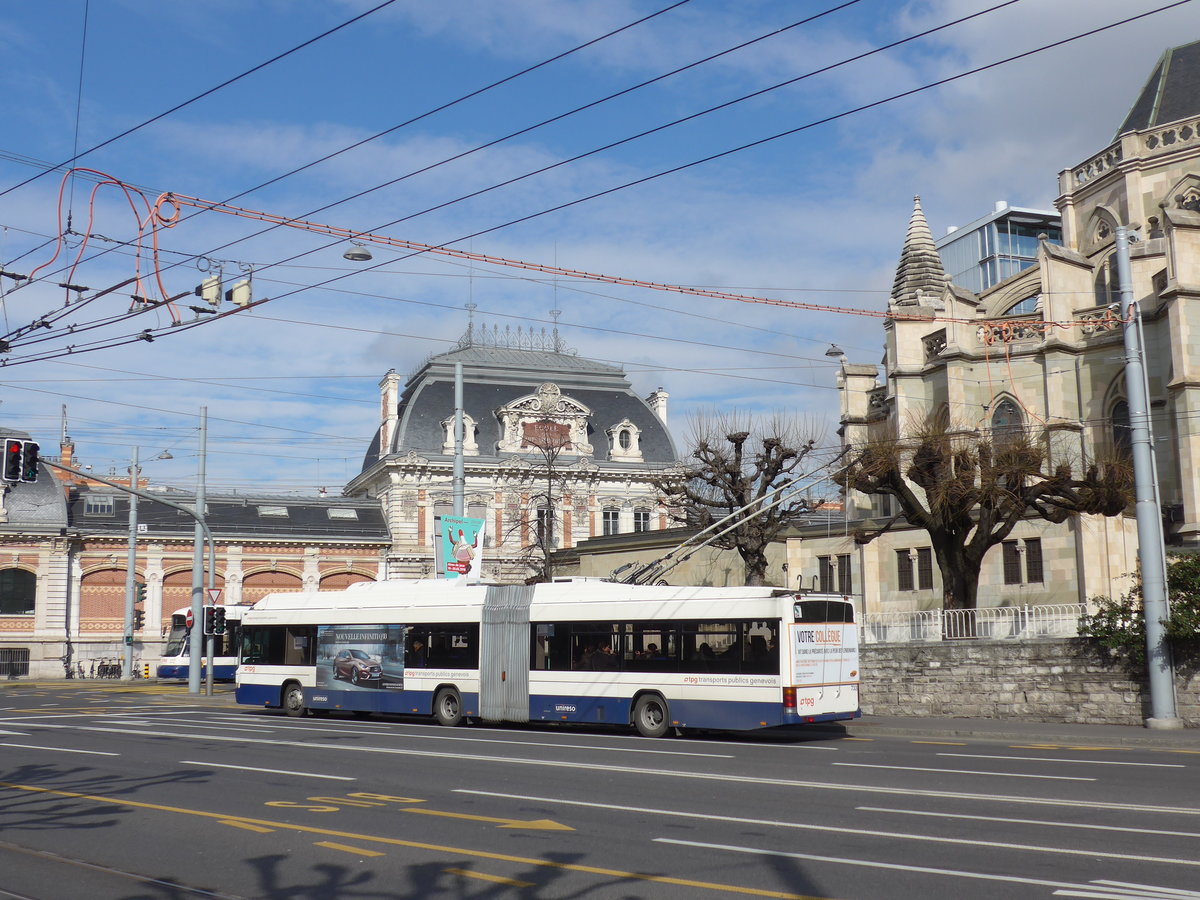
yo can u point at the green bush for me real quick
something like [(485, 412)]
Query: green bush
[(1119, 627)]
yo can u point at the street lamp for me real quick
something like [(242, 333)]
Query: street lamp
[(358, 252)]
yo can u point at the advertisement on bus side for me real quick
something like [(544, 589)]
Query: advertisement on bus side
[(366, 657)]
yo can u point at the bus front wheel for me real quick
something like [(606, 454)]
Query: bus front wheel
[(293, 700), (447, 707), (650, 716)]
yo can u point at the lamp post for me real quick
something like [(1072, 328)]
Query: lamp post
[(1148, 513), (131, 571)]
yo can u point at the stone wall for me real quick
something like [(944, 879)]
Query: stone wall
[(1035, 681)]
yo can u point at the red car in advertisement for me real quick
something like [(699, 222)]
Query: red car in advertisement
[(356, 667)]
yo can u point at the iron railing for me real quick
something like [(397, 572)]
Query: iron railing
[(1004, 623)]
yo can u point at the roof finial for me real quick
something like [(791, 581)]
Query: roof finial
[(920, 275)]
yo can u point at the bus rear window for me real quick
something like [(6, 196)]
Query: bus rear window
[(818, 611)]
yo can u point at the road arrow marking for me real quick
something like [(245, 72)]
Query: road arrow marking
[(533, 824)]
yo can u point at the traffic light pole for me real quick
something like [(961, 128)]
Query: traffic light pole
[(130, 573)]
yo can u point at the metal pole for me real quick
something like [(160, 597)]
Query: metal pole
[(1150, 548), (196, 645), (459, 477), (130, 572)]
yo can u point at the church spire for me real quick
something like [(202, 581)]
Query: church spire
[(920, 278)]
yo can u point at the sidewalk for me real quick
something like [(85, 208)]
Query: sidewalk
[(1075, 735)]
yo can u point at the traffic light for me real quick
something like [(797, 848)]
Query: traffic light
[(20, 460), (208, 620), (139, 600), (29, 461), (14, 450), (218, 622)]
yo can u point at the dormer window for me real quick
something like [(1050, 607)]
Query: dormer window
[(470, 443), (625, 441)]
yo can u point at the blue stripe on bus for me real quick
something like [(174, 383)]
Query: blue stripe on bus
[(220, 673), (715, 714)]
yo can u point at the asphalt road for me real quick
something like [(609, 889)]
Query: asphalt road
[(145, 792)]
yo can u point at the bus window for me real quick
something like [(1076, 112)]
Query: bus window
[(820, 611), (300, 645), (263, 645), (446, 646), (655, 647)]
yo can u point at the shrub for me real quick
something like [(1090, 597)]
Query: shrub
[(1119, 626)]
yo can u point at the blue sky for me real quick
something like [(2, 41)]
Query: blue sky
[(291, 386)]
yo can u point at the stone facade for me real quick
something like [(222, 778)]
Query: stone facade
[(1042, 352), (1034, 681)]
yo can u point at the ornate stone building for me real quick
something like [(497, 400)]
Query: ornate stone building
[(557, 448), (1042, 351)]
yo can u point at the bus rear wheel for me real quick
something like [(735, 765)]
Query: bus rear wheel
[(650, 716), (447, 707), (293, 700)]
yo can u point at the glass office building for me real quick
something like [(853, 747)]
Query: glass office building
[(997, 246)]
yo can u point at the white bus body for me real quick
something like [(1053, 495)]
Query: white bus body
[(657, 657)]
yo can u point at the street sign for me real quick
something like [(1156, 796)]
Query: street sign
[(214, 596), (189, 619)]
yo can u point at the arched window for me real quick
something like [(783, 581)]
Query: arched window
[(1107, 285), (1122, 434), (18, 589), (1006, 422), (1025, 307)]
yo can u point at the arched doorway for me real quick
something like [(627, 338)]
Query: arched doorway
[(257, 585), (339, 581)]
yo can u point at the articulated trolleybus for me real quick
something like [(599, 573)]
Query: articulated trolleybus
[(655, 657), (176, 656)]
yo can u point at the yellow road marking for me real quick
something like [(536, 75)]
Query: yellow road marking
[(857, 739), (232, 823), (358, 851), (942, 743), (535, 824), (483, 876), (421, 845)]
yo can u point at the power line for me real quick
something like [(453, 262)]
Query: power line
[(203, 94)]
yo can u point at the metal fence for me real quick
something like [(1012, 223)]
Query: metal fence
[(14, 662), (1003, 623)]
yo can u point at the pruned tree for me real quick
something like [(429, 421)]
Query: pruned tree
[(736, 463), (968, 490)]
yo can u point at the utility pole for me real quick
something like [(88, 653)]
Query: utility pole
[(1149, 525), (196, 648), (459, 468), (131, 570)]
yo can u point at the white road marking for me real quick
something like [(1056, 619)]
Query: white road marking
[(195, 762), (671, 773), (1124, 890), (16, 733), (482, 740), (59, 749), (1081, 825), (873, 864), (142, 724), (963, 772), (1090, 762), (864, 832)]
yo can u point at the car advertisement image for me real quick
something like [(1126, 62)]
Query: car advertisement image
[(368, 657)]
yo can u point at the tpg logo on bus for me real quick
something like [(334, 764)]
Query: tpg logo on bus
[(819, 636)]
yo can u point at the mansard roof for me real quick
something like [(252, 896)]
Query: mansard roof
[(920, 278), (335, 520), (1171, 94), (496, 376)]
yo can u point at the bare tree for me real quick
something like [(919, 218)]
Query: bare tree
[(735, 464), (969, 490), (546, 485)]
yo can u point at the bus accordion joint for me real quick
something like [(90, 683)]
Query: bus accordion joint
[(789, 698)]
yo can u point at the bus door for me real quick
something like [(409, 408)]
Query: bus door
[(504, 649)]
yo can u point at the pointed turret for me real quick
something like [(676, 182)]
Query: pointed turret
[(920, 278)]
